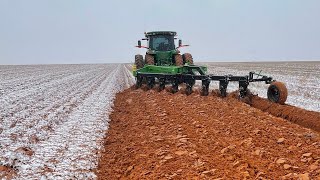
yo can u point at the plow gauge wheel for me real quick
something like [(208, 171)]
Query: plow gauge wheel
[(277, 92)]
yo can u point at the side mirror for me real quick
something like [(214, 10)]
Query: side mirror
[(180, 42), (139, 43)]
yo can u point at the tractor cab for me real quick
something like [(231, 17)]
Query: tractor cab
[(163, 41)]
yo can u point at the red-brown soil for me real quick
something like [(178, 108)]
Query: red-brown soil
[(7, 172), (308, 119), (159, 135)]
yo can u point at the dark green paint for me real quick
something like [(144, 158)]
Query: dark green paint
[(167, 69), (164, 60)]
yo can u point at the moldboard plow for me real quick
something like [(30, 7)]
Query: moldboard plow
[(164, 65)]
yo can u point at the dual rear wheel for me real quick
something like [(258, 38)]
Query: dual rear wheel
[(139, 62), (180, 60), (187, 58)]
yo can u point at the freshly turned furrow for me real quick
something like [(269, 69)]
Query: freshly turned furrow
[(302, 117)]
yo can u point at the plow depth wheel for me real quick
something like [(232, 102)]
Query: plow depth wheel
[(277, 92)]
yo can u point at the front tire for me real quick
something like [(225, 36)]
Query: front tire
[(277, 92), (178, 60), (139, 61), (149, 59)]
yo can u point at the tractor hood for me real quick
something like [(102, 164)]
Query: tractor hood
[(164, 57), (153, 52)]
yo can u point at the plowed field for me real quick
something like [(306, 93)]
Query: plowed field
[(156, 135)]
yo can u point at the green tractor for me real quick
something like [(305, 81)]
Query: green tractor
[(163, 64), (162, 50)]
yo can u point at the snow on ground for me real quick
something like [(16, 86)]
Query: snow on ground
[(54, 117), (301, 78)]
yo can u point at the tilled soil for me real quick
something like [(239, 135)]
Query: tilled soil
[(308, 119), (159, 135)]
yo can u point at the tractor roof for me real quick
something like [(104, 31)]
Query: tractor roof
[(152, 33)]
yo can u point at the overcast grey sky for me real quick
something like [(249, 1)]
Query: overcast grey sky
[(103, 31)]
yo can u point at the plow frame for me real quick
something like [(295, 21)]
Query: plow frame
[(189, 74)]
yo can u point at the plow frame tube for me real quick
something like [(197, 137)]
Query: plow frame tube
[(190, 78)]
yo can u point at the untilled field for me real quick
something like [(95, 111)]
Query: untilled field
[(53, 118), (54, 124)]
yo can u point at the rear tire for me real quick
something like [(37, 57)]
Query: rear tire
[(149, 59), (178, 60), (277, 92), (139, 61), (187, 57)]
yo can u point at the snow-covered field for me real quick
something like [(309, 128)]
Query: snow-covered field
[(301, 78), (53, 117)]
